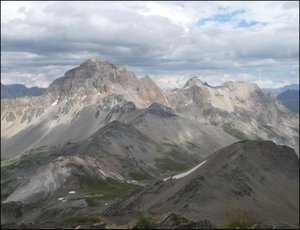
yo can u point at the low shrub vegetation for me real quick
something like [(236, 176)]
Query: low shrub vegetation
[(229, 128), (82, 219), (242, 219), (144, 222)]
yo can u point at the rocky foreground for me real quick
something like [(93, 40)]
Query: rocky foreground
[(172, 221)]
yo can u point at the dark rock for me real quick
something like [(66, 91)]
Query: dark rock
[(176, 221), (173, 220)]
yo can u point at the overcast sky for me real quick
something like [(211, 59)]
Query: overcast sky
[(171, 41)]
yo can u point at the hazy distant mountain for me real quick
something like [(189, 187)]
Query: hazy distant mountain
[(239, 178), (19, 90), (277, 91), (290, 99)]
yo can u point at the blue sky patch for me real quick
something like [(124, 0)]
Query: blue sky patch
[(243, 23), (226, 17), (222, 18)]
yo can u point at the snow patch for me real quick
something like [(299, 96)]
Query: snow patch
[(181, 175), (166, 178), (72, 192), (111, 175), (54, 103), (188, 172)]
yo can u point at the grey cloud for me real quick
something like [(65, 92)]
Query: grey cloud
[(66, 33)]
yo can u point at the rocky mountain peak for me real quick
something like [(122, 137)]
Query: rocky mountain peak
[(98, 77), (194, 81), (93, 66), (90, 75), (97, 62)]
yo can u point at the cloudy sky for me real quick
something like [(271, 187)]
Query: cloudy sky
[(171, 41)]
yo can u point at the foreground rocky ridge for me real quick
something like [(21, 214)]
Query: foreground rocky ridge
[(247, 176), (231, 188)]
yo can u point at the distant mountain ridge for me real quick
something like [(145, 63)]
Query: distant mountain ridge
[(277, 91), (290, 99), (95, 87), (19, 90)]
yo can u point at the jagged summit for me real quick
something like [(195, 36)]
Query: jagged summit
[(96, 77), (97, 62), (93, 76), (194, 81)]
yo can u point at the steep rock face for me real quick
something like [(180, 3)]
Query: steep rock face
[(240, 175), (92, 74), (147, 89), (241, 105), (100, 77)]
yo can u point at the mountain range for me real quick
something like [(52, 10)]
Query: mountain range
[(290, 99), (280, 90), (99, 134), (19, 90)]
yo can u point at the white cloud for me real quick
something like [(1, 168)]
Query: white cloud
[(271, 84), (28, 79), (178, 81), (165, 38), (171, 81)]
